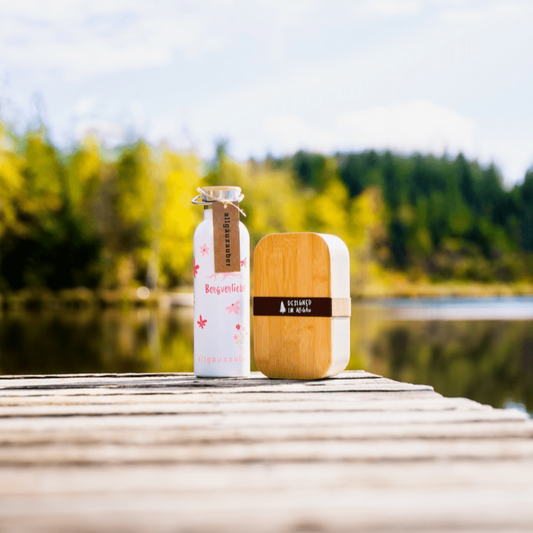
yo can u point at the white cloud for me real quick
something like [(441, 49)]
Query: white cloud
[(414, 126), (85, 106), (113, 125), (288, 134), (392, 8), (417, 126), (83, 38), (289, 74), (107, 130), (486, 13)]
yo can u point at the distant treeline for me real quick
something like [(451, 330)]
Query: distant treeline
[(97, 218), (448, 218)]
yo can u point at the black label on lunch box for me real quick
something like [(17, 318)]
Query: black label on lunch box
[(298, 307)]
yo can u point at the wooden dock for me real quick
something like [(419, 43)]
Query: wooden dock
[(174, 453)]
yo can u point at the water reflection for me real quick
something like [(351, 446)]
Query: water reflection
[(490, 361), (487, 361), (111, 340)]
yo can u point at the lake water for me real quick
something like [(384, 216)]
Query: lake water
[(476, 348)]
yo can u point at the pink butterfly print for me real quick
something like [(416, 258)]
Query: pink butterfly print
[(202, 322), (244, 261), (233, 308), (196, 267), (204, 249)]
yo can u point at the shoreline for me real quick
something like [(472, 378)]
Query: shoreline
[(37, 299), (441, 290)]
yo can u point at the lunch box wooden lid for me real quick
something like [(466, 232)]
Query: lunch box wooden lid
[(301, 305)]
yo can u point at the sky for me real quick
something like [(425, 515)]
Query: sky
[(276, 76)]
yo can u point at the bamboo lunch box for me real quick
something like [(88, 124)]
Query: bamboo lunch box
[(301, 305)]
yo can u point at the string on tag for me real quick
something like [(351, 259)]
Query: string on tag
[(199, 200)]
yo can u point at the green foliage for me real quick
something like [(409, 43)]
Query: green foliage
[(125, 218), (450, 219), (311, 169), (178, 217), (44, 242), (358, 171), (524, 216)]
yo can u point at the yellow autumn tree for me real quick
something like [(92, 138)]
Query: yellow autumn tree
[(327, 211), (367, 236), (84, 177), (43, 176), (179, 217), (130, 189), (273, 202), (11, 183)]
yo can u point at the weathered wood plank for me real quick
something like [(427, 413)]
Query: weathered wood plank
[(271, 452), (174, 453), (102, 375), (262, 477), (231, 385), (141, 396), (165, 434), (86, 396), (350, 506), (185, 377), (126, 404), (280, 419)]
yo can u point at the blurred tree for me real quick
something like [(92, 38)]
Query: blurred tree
[(328, 211), (467, 185), (367, 234), (392, 184), (123, 217), (525, 194), (83, 178), (273, 203), (11, 184), (126, 203), (178, 217), (357, 170), (45, 244), (311, 169), (150, 218)]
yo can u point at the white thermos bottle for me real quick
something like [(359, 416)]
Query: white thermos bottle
[(221, 286)]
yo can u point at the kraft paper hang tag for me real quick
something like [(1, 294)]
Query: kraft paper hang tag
[(226, 237)]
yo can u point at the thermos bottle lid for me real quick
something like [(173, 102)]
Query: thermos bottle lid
[(220, 193)]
